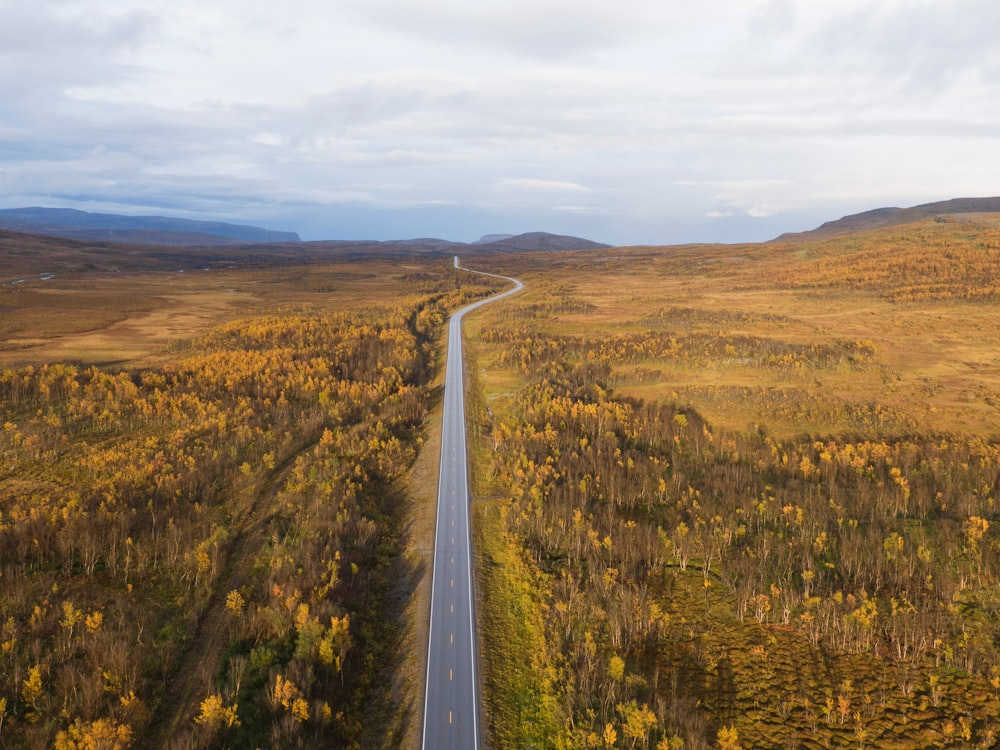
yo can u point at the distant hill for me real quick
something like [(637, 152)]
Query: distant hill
[(504, 243), (488, 238), (32, 255), (147, 230), (532, 241), (25, 255), (171, 232), (884, 217)]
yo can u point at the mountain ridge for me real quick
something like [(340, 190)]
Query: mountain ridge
[(166, 231), (531, 241), (877, 218), (153, 230)]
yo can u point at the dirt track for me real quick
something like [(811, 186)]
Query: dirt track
[(191, 680)]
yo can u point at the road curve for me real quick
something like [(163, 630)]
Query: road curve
[(451, 704)]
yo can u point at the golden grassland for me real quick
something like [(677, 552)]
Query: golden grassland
[(936, 360), (135, 318), (210, 515), (734, 496), (752, 491)]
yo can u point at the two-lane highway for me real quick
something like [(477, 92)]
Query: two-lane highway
[(451, 704)]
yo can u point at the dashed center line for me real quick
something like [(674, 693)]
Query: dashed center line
[(454, 465)]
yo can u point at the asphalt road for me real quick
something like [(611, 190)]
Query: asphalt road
[(451, 705)]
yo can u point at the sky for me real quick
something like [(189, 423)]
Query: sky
[(626, 122)]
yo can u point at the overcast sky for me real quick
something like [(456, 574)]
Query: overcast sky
[(625, 121)]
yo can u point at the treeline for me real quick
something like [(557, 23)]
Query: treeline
[(206, 554), (700, 588), (931, 260), (522, 347)]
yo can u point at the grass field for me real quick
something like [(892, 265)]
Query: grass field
[(729, 495), (133, 319), (213, 529), (755, 367), (936, 361)]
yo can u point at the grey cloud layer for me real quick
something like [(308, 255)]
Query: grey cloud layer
[(547, 30), (633, 121)]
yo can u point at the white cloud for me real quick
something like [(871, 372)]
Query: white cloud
[(584, 210), (776, 19), (541, 186), (762, 211), (547, 30), (634, 118), (267, 139)]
